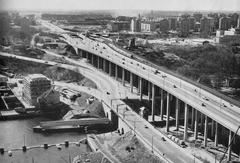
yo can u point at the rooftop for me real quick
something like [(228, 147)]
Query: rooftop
[(34, 77)]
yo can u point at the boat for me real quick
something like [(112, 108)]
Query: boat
[(80, 125)]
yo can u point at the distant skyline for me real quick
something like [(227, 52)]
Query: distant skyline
[(170, 5)]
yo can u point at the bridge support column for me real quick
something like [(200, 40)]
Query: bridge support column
[(161, 104), (98, 64), (216, 135), (92, 57), (123, 76), (88, 57), (192, 118), (177, 113), (149, 91), (110, 68), (168, 112), (80, 53), (104, 65), (140, 87), (205, 131), (116, 72), (229, 146), (185, 135), (131, 82), (153, 102), (196, 125)]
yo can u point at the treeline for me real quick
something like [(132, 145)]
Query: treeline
[(206, 60)]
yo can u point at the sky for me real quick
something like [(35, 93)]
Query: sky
[(179, 5)]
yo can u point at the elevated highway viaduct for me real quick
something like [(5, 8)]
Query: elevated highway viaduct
[(202, 107)]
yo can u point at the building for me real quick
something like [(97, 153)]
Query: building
[(184, 27), (172, 23), (135, 25), (148, 26), (234, 20), (116, 26), (163, 25), (215, 16), (224, 23), (34, 85), (191, 23), (206, 27)]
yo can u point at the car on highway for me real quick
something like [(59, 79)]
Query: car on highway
[(85, 60), (205, 98), (156, 72)]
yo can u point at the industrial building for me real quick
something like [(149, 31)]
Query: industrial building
[(34, 85)]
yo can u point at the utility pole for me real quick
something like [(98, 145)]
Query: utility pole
[(152, 143)]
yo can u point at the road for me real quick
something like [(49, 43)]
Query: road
[(172, 152)]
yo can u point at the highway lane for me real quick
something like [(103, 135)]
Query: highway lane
[(166, 81), (170, 149)]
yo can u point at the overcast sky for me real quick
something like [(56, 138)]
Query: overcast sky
[(121, 4)]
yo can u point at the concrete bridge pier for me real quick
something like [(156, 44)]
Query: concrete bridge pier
[(131, 82), (216, 135), (91, 58), (80, 53), (205, 131), (104, 65), (196, 125), (192, 118), (141, 87), (76, 50), (177, 113), (185, 134), (123, 76), (88, 56), (229, 152), (153, 102), (168, 112)]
